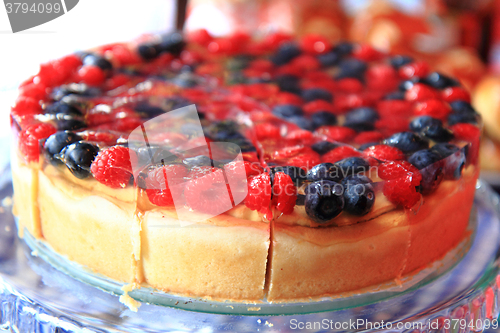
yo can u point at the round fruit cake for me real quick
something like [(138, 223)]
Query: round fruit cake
[(359, 168)]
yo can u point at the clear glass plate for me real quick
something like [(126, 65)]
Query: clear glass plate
[(36, 296)]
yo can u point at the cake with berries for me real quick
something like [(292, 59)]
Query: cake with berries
[(308, 169)]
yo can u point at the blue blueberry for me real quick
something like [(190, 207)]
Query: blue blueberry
[(407, 84), (431, 168), (454, 159), (437, 133), (56, 143), (146, 110), (92, 59), (440, 81), (351, 68), (462, 107), (298, 175), (324, 200), (361, 119), (324, 171), (422, 122), (287, 110), (323, 147), (149, 51), (359, 195), (61, 108), (172, 43), (400, 60), (313, 94), (368, 145), (78, 157), (78, 89), (289, 83), (352, 165), (323, 118), (396, 95), (463, 117), (407, 142), (328, 59), (69, 124), (344, 48), (156, 155), (302, 122), (285, 53)]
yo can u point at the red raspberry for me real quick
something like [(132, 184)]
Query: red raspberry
[(36, 91), (29, 140), (318, 105), (417, 68), (389, 126), (128, 124), (342, 103), (435, 108), (100, 137), (259, 194), (395, 107), (304, 63), (284, 193), (315, 44), (288, 98), (398, 169), (112, 167), (384, 153), (420, 92), (466, 132), (92, 75), (267, 131), (207, 191), (201, 37), (116, 81), (234, 170), (350, 85), (222, 46), (368, 137), (26, 105), (451, 94), (160, 179), (340, 153), (274, 40), (366, 52), (123, 55), (301, 135), (382, 77), (305, 160), (337, 133), (402, 178), (288, 151), (69, 63)]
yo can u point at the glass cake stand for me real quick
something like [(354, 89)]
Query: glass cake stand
[(41, 291)]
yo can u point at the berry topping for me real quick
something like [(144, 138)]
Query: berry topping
[(434, 108), (421, 122), (207, 191), (454, 159), (198, 161), (287, 111), (323, 147), (401, 181), (359, 195), (339, 153), (322, 118), (92, 75), (56, 143), (351, 68), (314, 94), (361, 119), (259, 193), (296, 174), (79, 156), (112, 167), (400, 60), (29, 140), (286, 52), (384, 153), (437, 133), (92, 59), (61, 108), (407, 142), (158, 181), (467, 132), (352, 165), (431, 168), (324, 200), (284, 193), (325, 171), (440, 81)]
